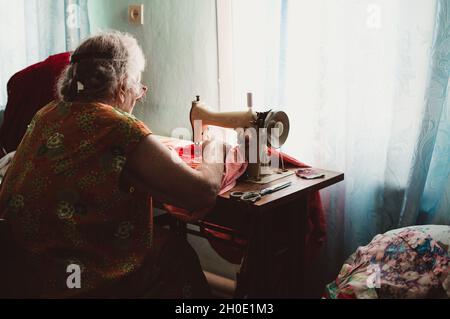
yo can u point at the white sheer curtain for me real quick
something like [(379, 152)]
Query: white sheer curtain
[(353, 75), (31, 30), (345, 62)]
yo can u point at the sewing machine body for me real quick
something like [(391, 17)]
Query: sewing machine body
[(266, 129)]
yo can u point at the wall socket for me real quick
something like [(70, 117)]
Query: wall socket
[(136, 14)]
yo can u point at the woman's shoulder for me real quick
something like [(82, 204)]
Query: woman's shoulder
[(116, 115), (122, 122), (124, 128), (120, 115)]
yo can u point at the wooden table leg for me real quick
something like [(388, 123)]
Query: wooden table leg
[(274, 263), (298, 215), (247, 279)]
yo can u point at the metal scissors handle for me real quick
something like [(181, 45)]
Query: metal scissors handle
[(249, 197), (253, 197)]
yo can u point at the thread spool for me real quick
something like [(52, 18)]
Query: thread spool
[(250, 100)]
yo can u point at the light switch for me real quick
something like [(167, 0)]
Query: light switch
[(136, 14)]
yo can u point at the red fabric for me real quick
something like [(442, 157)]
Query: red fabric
[(28, 91), (316, 218)]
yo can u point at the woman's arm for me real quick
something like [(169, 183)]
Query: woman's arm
[(151, 165)]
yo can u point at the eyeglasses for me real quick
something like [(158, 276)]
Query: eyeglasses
[(143, 89)]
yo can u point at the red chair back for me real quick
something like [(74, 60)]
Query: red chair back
[(28, 91)]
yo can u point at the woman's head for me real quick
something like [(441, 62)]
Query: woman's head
[(105, 68)]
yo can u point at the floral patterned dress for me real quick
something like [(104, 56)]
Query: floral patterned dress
[(66, 203)]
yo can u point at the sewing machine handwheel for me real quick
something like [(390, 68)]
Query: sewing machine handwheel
[(277, 120)]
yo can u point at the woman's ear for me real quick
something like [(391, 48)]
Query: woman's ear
[(121, 94)]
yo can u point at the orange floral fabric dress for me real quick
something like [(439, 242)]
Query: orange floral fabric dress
[(64, 199)]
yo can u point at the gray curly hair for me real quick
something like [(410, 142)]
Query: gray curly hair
[(99, 66)]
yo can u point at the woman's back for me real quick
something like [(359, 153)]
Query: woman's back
[(64, 199)]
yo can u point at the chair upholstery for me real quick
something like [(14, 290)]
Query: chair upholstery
[(28, 91)]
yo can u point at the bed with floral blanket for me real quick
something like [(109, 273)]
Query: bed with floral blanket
[(411, 262)]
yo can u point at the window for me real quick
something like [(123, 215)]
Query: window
[(249, 51), (31, 30), (348, 73), (13, 56)]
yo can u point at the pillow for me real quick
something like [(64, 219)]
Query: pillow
[(441, 234), (411, 262)]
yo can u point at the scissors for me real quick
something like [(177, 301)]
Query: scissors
[(253, 197)]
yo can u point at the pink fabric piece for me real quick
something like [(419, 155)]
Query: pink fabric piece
[(235, 167)]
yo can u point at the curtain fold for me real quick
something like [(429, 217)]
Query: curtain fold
[(427, 199), (365, 83), (31, 30)]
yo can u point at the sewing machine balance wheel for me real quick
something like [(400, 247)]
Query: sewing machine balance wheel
[(277, 124)]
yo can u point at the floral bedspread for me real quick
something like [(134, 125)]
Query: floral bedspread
[(411, 262)]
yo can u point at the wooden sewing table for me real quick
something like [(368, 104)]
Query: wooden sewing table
[(274, 229)]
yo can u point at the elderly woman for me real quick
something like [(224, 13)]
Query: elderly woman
[(71, 195)]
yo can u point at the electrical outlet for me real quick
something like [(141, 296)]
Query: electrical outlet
[(136, 14)]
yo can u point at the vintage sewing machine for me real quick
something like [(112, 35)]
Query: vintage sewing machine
[(258, 132)]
